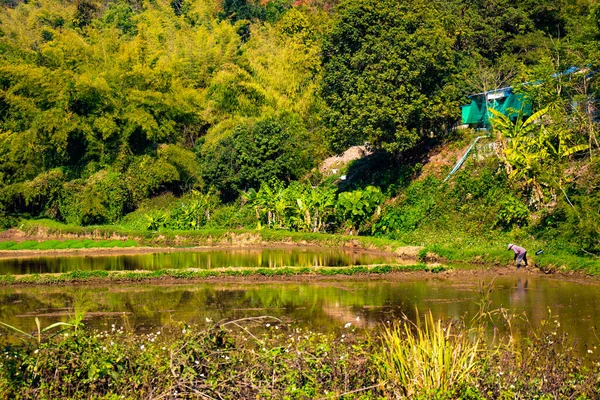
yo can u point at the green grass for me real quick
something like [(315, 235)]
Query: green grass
[(461, 244), (66, 244), (266, 357), (124, 276)]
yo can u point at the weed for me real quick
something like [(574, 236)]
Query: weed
[(428, 358)]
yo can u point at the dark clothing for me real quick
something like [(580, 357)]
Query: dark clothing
[(520, 254), (521, 257)]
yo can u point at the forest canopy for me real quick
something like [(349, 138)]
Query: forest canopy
[(106, 104)]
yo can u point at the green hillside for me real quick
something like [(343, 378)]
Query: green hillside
[(188, 115)]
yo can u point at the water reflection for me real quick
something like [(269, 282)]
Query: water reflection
[(205, 259), (318, 306)]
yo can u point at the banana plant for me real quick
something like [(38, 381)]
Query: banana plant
[(527, 147), (359, 205)]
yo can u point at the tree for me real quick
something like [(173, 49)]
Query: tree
[(267, 150), (386, 66)]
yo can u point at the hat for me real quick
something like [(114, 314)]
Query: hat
[(510, 245)]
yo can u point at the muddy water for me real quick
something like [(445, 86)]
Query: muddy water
[(323, 305), (302, 257)]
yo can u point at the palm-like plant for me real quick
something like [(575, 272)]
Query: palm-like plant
[(527, 147)]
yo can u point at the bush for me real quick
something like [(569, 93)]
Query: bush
[(512, 212), (103, 198), (270, 149)]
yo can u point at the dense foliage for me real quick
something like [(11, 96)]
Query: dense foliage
[(227, 108), (104, 106), (266, 357)]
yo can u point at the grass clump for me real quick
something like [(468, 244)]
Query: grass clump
[(7, 245), (428, 358)]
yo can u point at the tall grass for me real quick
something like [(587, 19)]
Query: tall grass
[(428, 358)]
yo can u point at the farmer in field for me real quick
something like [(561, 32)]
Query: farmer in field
[(520, 254)]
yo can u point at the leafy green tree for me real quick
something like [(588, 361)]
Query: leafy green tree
[(386, 64), (268, 150)]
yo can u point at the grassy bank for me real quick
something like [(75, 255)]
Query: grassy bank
[(51, 229), (191, 274), (268, 358), (66, 244), (460, 246)]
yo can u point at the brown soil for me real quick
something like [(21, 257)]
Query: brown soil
[(14, 235), (338, 162)]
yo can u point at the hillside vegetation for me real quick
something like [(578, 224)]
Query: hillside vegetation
[(201, 114)]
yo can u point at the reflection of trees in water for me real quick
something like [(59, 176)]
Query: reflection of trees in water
[(267, 258), (321, 305)]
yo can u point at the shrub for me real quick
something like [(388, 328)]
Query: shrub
[(512, 212), (103, 198)]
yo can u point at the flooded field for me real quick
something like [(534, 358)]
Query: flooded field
[(321, 306), (204, 259)]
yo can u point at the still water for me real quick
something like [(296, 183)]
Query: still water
[(322, 306), (206, 259), (327, 305)]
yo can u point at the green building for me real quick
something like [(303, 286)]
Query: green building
[(504, 100)]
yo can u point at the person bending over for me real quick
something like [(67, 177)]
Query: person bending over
[(520, 254)]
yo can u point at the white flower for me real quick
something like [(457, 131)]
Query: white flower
[(268, 325), (142, 347), (36, 351), (590, 351), (348, 325), (208, 320)]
